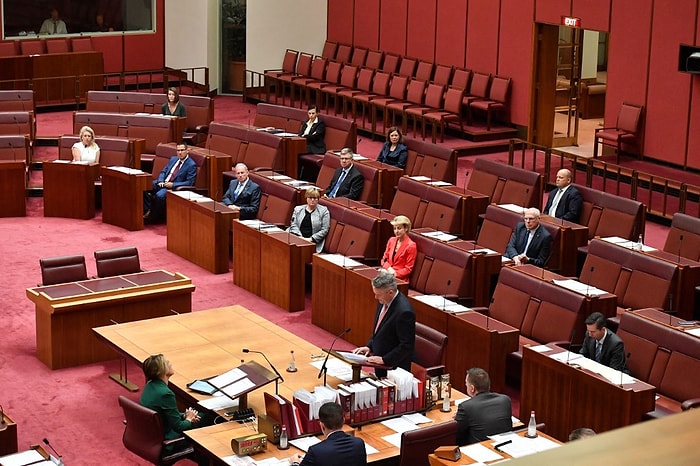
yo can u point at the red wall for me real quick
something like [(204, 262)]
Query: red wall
[(339, 23), (420, 40), (392, 26), (366, 29), (451, 36)]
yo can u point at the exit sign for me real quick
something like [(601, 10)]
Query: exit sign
[(571, 22)]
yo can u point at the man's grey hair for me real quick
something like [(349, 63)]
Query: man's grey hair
[(385, 281), (346, 150)]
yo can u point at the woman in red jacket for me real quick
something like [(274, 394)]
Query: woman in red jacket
[(400, 254)]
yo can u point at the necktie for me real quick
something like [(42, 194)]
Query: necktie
[(238, 191), (55, 27), (530, 234), (598, 348), (173, 173), (341, 178), (555, 203), (381, 317)]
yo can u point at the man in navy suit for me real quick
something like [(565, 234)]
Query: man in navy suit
[(485, 413), (602, 345), (394, 336), (338, 447), (564, 202), (180, 171), (243, 195), (530, 243), (347, 181)]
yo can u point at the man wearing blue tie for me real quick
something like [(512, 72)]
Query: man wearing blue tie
[(243, 195), (602, 345), (530, 242), (347, 181)]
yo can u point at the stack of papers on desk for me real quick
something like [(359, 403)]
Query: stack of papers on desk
[(513, 208), (127, 170), (190, 195), (439, 235), (522, 446), (335, 368), (341, 260), (625, 243), (439, 183), (580, 288), (440, 302), (613, 376)]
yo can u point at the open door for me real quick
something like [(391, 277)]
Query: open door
[(557, 79)]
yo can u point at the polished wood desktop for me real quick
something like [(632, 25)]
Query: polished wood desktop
[(13, 179), (66, 313), (667, 319), (8, 437), (272, 265), (342, 297), (473, 340), (465, 460), (122, 196), (69, 189), (199, 229), (388, 180), (566, 397)]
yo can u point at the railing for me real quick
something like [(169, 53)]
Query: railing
[(661, 196), (72, 90)]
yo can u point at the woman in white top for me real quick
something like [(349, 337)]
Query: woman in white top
[(86, 150)]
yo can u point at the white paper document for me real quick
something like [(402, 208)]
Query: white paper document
[(540, 348), (513, 208), (480, 453), (341, 260), (235, 389), (305, 443), (350, 356), (217, 403), (335, 368), (580, 288), (416, 418), (227, 377), (440, 302), (439, 183), (521, 446), (21, 458), (399, 424), (440, 235)]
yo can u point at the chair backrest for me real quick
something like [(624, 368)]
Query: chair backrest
[(391, 63), (453, 100), (318, 68), (499, 89), (62, 269), (143, 434), (329, 48), (424, 71), (397, 88), (364, 79), (7, 49), (348, 77), (430, 346), (57, 46), (407, 67), (81, 44), (461, 78), (343, 54), (333, 72), (303, 65), (374, 59), (117, 261), (443, 74), (416, 91), (359, 55), (32, 47), (480, 85), (417, 444), (380, 83), (628, 118), (433, 95), (289, 61)]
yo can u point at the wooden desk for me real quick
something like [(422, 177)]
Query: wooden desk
[(389, 176), (473, 340), (13, 178), (465, 460), (69, 189), (198, 230), (8, 437), (122, 196), (342, 297), (66, 313), (566, 397), (246, 257), (571, 237), (34, 455)]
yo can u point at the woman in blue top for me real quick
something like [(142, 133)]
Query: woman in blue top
[(394, 152)]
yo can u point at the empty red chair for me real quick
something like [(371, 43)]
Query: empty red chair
[(624, 132), (496, 101)]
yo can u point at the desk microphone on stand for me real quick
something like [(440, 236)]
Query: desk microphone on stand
[(324, 367), (58, 456), (571, 343), (622, 373), (588, 282), (680, 246), (249, 119), (527, 199), (444, 296), (345, 256), (439, 223), (274, 369)]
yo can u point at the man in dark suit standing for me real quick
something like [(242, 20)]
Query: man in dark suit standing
[(394, 336), (602, 345), (180, 171), (338, 447), (347, 181), (530, 243), (314, 131), (564, 202), (483, 414), (243, 195)]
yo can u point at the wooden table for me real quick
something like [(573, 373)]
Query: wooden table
[(342, 297), (69, 189), (66, 313), (199, 229), (566, 397), (122, 196), (13, 179), (8, 437)]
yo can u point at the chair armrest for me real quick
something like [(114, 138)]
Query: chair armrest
[(690, 404), (202, 129), (481, 310), (173, 441)]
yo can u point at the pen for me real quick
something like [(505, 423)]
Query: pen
[(499, 445)]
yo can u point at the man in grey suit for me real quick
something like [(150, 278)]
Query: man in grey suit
[(485, 413)]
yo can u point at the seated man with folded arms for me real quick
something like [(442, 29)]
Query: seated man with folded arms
[(602, 345), (338, 447), (347, 181), (530, 243), (243, 195), (564, 202), (181, 170), (485, 413)]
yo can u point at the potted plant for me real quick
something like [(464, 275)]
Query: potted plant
[(233, 33)]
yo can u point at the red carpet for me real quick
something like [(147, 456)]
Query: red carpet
[(76, 408)]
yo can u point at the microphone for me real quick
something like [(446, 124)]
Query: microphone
[(432, 172), (286, 126), (466, 175), (527, 198), (274, 369), (588, 282), (488, 312), (571, 343), (174, 312), (439, 222), (248, 118), (19, 129), (119, 106), (680, 246), (324, 367), (58, 456), (670, 309), (444, 296), (622, 373), (345, 255)]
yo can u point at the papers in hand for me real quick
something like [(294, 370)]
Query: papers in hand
[(352, 357)]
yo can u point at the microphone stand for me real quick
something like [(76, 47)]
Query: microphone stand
[(588, 282), (622, 373), (324, 367), (58, 457), (571, 343), (345, 256), (274, 369), (444, 296)]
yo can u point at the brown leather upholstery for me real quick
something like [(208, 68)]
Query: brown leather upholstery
[(143, 435), (352, 226), (117, 261), (440, 269), (417, 444), (114, 151), (430, 349), (277, 201), (15, 148), (438, 162), (684, 237), (16, 122), (62, 269), (506, 184)]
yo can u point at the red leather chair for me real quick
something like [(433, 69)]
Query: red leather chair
[(117, 261), (496, 101), (417, 444), (143, 435), (430, 349), (57, 46), (62, 269), (624, 132)]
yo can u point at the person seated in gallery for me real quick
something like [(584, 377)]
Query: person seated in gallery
[(314, 131), (86, 150), (54, 24), (100, 25), (394, 151), (400, 254), (311, 221)]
